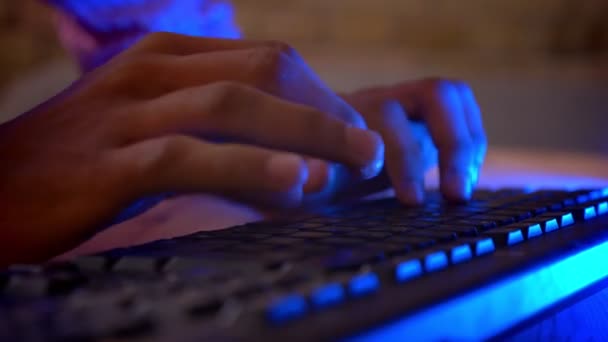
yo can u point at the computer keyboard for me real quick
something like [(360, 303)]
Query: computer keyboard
[(368, 271)]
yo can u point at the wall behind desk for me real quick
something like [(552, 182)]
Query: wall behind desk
[(540, 68)]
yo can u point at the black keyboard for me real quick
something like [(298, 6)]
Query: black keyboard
[(368, 271)]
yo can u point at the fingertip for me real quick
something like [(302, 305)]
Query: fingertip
[(318, 176), (287, 171), (368, 148), (411, 193), (457, 186)]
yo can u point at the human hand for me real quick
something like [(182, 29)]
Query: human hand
[(416, 117), (172, 114)]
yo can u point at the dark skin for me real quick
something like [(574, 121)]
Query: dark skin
[(241, 119)]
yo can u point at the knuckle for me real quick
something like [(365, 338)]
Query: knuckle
[(223, 95), (131, 69), (154, 39), (438, 87), (282, 47), (269, 65), (171, 151)]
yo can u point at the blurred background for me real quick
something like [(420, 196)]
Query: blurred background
[(539, 68)]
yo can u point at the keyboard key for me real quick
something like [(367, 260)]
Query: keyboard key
[(547, 222), (505, 236), (363, 284), (434, 234), (435, 261), (602, 208), (327, 295), (287, 308), (584, 212), (136, 265), (407, 269), (460, 253), (480, 245)]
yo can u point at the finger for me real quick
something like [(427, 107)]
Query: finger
[(181, 45), (318, 175), (438, 103), (474, 121), (183, 164), (239, 113), (272, 69), (404, 158)]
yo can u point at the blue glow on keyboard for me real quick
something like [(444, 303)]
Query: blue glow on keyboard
[(515, 237), (327, 295), (484, 247), (589, 213), (534, 230), (460, 254), (567, 220), (602, 208), (551, 225), (435, 261), (491, 310), (407, 270), (287, 308), (363, 284)]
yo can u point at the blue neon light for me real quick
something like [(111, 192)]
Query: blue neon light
[(491, 310), (484, 246), (534, 230), (589, 212), (461, 254), (567, 220), (327, 295), (435, 261), (203, 18), (551, 225), (363, 284), (602, 208), (407, 270)]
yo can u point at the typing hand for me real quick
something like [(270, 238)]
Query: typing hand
[(414, 118), (172, 114)]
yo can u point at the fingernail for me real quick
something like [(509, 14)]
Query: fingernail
[(411, 193), (368, 149), (287, 170)]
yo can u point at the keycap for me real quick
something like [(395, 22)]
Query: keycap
[(434, 261), (602, 208), (547, 222), (286, 308), (327, 295), (505, 236), (200, 304), (92, 263), (459, 253), (457, 229), (363, 284), (433, 234), (583, 212), (136, 265), (407, 269), (310, 235), (529, 229), (480, 245)]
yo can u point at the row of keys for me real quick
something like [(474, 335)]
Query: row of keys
[(415, 265)]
